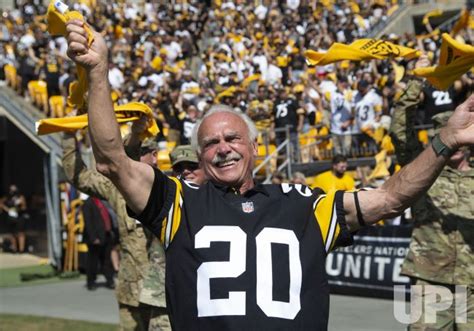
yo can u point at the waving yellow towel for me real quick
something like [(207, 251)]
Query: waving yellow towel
[(57, 16), (455, 59), (433, 13), (125, 113), (362, 49)]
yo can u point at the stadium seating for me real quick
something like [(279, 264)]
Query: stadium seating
[(163, 159), (262, 153), (11, 76), (39, 94), (57, 106)]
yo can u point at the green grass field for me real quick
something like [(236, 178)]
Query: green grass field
[(33, 323), (12, 277)]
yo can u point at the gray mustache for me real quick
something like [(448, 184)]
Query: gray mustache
[(233, 156)]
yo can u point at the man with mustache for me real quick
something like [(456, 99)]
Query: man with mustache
[(221, 238)]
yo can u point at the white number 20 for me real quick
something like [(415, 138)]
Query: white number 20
[(235, 304)]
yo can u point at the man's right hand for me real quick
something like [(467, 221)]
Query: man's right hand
[(422, 62), (93, 57), (139, 126)]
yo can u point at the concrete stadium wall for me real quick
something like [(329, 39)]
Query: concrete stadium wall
[(6, 4), (405, 20)]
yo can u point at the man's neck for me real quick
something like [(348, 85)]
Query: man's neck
[(246, 186), (238, 189)]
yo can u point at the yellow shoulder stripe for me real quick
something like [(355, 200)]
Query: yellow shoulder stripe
[(326, 217), (172, 221)]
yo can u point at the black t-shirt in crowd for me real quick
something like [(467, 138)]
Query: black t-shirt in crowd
[(285, 113), (170, 113), (437, 101), (245, 262)]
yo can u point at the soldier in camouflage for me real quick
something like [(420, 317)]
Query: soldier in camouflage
[(442, 245), (185, 164), (140, 263)]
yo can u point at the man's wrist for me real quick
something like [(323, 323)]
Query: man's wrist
[(99, 71), (440, 147)]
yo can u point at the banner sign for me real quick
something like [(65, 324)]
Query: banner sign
[(372, 263)]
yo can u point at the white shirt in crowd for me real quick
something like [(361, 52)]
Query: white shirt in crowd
[(186, 86), (293, 4), (262, 62), (273, 74), (366, 109), (340, 113), (327, 87), (173, 50), (116, 78)]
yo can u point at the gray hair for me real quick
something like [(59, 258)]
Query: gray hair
[(220, 108)]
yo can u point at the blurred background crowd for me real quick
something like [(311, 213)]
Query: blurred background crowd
[(181, 57), (333, 127)]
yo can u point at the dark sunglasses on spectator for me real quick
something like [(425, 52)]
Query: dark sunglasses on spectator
[(145, 150), (180, 167)]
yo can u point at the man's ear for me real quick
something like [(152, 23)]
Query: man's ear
[(255, 148)]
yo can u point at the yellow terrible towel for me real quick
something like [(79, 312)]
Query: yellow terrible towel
[(433, 13), (362, 49), (125, 113), (58, 14), (462, 23), (455, 59)]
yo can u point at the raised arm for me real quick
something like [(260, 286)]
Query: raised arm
[(133, 179), (403, 188), (90, 181), (402, 130)]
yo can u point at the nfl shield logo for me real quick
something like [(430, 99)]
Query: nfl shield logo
[(247, 207)]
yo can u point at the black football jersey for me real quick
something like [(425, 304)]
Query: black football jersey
[(245, 262), (285, 113), (437, 101)]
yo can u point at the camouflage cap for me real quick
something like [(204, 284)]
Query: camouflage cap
[(183, 153), (150, 144)]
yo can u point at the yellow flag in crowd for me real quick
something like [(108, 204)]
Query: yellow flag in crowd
[(125, 113), (362, 49), (354, 6), (382, 163), (247, 81), (455, 60), (435, 33), (392, 10), (399, 71), (462, 23), (433, 13), (58, 14), (229, 92)]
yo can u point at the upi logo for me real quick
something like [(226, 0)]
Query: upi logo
[(431, 299)]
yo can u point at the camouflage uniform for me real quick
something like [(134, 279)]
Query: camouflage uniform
[(153, 290), (441, 249), (134, 268)]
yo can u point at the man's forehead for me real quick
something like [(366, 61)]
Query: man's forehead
[(217, 134), (224, 122)]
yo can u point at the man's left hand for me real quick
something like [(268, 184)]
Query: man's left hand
[(460, 128)]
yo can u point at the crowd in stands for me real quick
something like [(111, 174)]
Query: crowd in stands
[(182, 58)]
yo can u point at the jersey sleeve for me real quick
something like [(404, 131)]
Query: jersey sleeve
[(329, 213), (162, 214), (378, 104)]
